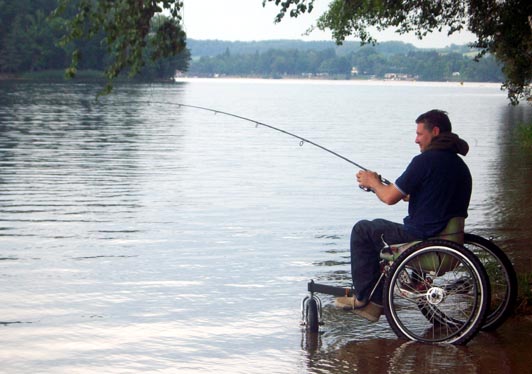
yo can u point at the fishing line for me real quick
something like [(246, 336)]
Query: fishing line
[(301, 139)]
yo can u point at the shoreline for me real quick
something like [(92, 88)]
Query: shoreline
[(283, 80)]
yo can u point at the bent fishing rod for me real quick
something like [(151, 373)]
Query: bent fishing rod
[(300, 138)]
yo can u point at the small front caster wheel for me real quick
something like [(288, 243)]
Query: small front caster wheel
[(312, 315)]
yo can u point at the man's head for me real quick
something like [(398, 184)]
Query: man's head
[(430, 125)]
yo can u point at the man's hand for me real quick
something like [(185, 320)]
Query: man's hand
[(387, 193), (368, 179)]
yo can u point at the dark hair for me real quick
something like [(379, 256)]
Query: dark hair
[(435, 118)]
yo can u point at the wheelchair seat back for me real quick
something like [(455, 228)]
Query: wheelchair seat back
[(454, 231)]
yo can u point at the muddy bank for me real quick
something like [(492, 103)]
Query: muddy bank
[(503, 351)]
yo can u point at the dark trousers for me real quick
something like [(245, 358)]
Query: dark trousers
[(366, 243)]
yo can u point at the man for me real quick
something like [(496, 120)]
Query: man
[(437, 184)]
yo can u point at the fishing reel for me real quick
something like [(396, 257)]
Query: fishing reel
[(383, 181)]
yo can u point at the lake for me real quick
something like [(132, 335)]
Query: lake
[(142, 236)]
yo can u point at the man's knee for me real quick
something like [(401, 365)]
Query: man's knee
[(361, 232), (367, 234), (362, 226), (365, 228)]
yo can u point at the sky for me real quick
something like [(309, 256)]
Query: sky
[(248, 20)]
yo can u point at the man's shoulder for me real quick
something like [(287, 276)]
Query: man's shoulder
[(435, 154), (423, 157), (439, 159)]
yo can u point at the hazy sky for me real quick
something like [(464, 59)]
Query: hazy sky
[(248, 20)]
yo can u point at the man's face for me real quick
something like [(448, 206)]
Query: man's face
[(424, 136)]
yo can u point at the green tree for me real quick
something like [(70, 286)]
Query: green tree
[(27, 38), (503, 28), (126, 26), (486, 70), (166, 67), (336, 66), (16, 55), (369, 62)]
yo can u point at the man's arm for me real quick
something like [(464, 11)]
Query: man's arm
[(387, 193)]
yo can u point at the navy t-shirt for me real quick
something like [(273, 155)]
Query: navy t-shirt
[(439, 184)]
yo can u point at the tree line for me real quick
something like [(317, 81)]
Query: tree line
[(205, 48), (427, 65), (29, 43)]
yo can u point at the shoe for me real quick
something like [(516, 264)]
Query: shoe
[(368, 310), (372, 312), (349, 303)]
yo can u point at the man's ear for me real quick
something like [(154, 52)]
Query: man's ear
[(435, 131)]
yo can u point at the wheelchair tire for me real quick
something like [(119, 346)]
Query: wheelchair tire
[(502, 277), (312, 315), (425, 302)]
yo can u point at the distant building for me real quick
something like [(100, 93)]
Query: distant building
[(399, 77)]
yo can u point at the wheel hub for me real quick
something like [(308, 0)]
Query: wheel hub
[(435, 295)]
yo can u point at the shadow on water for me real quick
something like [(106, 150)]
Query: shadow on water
[(510, 183)]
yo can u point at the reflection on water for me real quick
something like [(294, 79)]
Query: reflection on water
[(138, 236), (510, 181), (398, 356), (487, 353)]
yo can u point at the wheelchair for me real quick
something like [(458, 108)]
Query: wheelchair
[(441, 290)]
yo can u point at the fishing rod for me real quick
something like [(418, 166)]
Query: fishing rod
[(300, 138)]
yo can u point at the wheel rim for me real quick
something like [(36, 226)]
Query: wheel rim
[(501, 277), (434, 305)]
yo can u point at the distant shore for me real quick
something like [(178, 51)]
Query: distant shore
[(84, 76), (97, 76), (321, 80)]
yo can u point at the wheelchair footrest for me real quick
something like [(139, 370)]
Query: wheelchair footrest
[(329, 290)]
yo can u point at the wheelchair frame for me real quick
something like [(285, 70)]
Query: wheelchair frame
[(422, 314)]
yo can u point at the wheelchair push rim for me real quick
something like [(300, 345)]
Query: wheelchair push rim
[(436, 292), (502, 278)]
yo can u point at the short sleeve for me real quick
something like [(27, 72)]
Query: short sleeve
[(412, 178)]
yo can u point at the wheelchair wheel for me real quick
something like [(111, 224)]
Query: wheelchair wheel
[(312, 315), (436, 292), (502, 278)]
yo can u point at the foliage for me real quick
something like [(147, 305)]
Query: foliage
[(27, 38), (29, 44), (524, 301), (524, 131), (159, 65), (127, 30), (503, 28), (59, 74)]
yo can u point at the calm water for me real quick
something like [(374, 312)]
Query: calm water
[(140, 236)]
